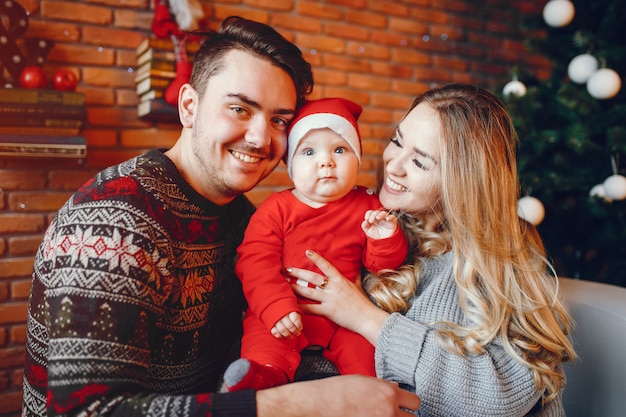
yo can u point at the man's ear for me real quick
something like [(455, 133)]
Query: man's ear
[(187, 105)]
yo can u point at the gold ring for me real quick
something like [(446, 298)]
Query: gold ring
[(324, 283)]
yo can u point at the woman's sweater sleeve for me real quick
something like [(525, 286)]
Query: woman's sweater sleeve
[(409, 352)]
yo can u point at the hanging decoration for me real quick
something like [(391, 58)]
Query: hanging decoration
[(597, 191), (531, 209), (604, 84), (558, 13), (615, 187), (581, 68), (176, 19), (514, 87)]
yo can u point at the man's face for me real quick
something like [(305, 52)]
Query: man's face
[(238, 135)]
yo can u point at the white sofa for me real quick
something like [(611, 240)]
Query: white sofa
[(596, 384)]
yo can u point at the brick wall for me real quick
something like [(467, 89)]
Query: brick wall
[(378, 53)]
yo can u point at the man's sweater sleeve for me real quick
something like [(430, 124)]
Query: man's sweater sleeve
[(235, 404)]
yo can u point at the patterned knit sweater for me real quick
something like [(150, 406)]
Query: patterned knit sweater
[(491, 384), (134, 304)]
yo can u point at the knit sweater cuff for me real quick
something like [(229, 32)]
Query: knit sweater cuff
[(398, 349), (235, 404)]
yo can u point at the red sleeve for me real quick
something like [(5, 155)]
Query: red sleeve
[(388, 253), (260, 264)]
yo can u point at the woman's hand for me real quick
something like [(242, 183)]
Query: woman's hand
[(338, 299)]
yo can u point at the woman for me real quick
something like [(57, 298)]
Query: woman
[(471, 323)]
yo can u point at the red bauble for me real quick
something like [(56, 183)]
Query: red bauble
[(64, 80), (32, 76)]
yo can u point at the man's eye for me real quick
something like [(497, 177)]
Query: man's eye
[(281, 122)]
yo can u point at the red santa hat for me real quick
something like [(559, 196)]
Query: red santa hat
[(338, 114)]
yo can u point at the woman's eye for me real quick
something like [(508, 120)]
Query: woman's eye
[(395, 141), (419, 164)]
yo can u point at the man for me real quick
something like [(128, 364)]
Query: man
[(135, 307)]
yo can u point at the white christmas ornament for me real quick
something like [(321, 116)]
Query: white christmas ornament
[(581, 67), (604, 83), (514, 87), (531, 209), (558, 13), (598, 191), (615, 187)]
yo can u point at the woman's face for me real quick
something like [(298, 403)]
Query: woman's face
[(412, 180)]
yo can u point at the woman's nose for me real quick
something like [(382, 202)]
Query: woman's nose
[(395, 166)]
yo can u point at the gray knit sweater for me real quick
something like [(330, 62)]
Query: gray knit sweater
[(491, 384)]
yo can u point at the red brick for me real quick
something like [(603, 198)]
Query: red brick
[(366, 18), (24, 245), (16, 267), (4, 291), (81, 54), (21, 223), (21, 180), (11, 402), (18, 334), (368, 82), (100, 36), (271, 4), (20, 289), (347, 31), (54, 31), (77, 12), (321, 43), (320, 11), (330, 77), (306, 24), (69, 180), (344, 64), (146, 138), (31, 202), (357, 4), (365, 51), (13, 312)]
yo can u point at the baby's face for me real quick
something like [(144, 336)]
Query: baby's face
[(324, 167)]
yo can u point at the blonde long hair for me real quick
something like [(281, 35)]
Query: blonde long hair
[(506, 285)]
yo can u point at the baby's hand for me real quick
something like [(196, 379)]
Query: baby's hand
[(379, 224), (289, 326)]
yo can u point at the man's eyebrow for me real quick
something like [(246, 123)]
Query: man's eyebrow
[(256, 105), (417, 150)]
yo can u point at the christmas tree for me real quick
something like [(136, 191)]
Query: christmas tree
[(572, 141)]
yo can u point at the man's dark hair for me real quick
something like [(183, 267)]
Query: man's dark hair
[(258, 39)]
